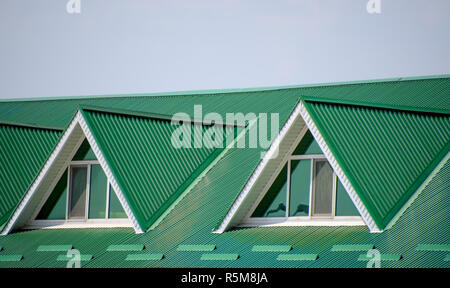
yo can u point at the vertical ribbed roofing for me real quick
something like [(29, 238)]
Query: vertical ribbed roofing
[(386, 154), (23, 151), (151, 172)]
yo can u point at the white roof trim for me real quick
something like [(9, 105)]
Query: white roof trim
[(337, 169), (77, 120), (98, 153), (226, 222)]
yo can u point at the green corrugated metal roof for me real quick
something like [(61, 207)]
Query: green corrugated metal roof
[(129, 247), (144, 257), (425, 221), (351, 247), (422, 94), (151, 172), (48, 248), (383, 257), (386, 154), (297, 257), (23, 151)]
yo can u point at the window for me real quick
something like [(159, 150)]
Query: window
[(306, 189), (83, 193), (88, 196), (78, 192)]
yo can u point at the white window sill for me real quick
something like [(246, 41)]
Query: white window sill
[(67, 224), (302, 221)]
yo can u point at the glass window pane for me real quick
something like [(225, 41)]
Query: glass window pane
[(274, 202), (344, 205), (115, 208), (97, 194), (300, 187), (78, 192), (307, 145), (55, 206), (323, 188)]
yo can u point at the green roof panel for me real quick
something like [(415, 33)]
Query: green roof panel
[(421, 94), (53, 248), (433, 247), (351, 247), (271, 248), (151, 172), (10, 258), (23, 151), (427, 215), (205, 205), (125, 247), (144, 257), (385, 154), (196, 247), (297, 257), (219, 257)]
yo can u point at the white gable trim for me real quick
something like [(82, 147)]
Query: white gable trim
[(71, 134), (273, 150), (337, 169)]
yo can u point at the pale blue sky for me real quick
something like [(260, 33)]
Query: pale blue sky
[(118, 46)]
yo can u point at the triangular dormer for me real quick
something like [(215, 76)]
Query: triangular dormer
[(382, 156), (305, 192), (137, 153), (71, 187), (82, 197)]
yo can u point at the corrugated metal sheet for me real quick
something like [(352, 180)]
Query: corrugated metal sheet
[(23, 150), (151, 172), (60, 112), (386, 154), (423, 94), (425, 221)]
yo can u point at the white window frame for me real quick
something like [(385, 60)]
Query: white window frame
[(310, 220), (83, 222)]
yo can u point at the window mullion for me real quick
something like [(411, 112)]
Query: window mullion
[(311, 188), (88, 192), (69, 191), (108, 197), (288, 187)]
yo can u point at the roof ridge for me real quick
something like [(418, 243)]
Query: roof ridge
[(363, 104), (29, 126), (158, 116), (206, 92)]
